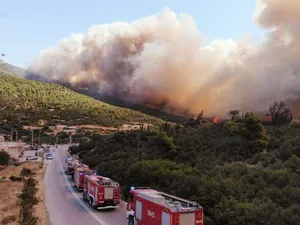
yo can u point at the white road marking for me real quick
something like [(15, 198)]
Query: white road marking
[(78, 199)]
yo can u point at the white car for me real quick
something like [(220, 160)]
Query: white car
[(49, 156)]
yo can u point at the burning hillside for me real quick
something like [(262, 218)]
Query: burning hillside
[(162, 61)]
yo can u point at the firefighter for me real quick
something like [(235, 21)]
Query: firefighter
[(130, 216)]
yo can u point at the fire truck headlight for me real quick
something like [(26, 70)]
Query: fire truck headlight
[(132, 188)]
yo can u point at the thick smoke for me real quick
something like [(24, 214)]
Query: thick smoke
[(163, 59)]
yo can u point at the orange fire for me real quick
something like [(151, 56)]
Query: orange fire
[(216, 119)]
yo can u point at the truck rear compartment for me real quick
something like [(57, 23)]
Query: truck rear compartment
[(109, 193), (187, 218)]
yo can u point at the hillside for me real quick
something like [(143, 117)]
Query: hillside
[(241, 172), (26, 102), (10, 69), (143, 108)]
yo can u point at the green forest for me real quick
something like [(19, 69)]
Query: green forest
[(240, 171), (25, 102)]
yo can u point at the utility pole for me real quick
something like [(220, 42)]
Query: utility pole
[(31, 136), (138, 139), (39, 137), (12, 134)]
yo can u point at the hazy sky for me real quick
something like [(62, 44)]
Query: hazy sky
[(32, 25)]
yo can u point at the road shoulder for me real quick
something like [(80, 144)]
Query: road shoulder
[(41, 211)]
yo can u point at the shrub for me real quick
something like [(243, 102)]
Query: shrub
[(25, 172), (29, 199), (4, 157), (295, 124), (166, 141)]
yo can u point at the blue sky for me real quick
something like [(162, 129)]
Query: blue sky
[(26, 27)]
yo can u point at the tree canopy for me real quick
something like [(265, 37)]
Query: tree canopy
[(241, 172)]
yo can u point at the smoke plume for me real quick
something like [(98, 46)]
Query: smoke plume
[(163, 59)]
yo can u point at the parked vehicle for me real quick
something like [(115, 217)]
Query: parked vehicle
[(70, 165), (79, 175), (49, 155), (101, 192), (152, 207)]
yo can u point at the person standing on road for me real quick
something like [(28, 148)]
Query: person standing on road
[(130, 216)]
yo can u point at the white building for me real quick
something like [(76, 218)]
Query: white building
[(14, 149)]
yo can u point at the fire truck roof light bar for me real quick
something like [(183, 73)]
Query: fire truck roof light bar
[(139, 188)]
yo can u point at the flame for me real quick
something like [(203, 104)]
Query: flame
[(216, 119)]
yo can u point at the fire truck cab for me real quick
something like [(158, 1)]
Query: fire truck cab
[(157, 208), (79, 174), (76, 165), (101, 192), (70, 165)]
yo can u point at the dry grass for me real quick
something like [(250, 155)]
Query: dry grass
[(9, 201), (40, 209)]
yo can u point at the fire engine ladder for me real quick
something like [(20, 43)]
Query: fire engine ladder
[(184, 201), (116, 195), (177, 220)]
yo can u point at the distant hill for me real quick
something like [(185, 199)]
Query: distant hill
[(26, 102), (10, 69)]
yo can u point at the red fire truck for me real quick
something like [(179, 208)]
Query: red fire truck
[(157, 208), (79, 174), (101, 192), (70, 165), (76, 165)]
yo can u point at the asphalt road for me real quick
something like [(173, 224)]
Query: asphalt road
[(66, 206)]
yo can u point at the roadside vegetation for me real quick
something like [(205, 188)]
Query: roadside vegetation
[(25, 102), (28, 199), (21, 195), (4, 158), (240, 171)]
